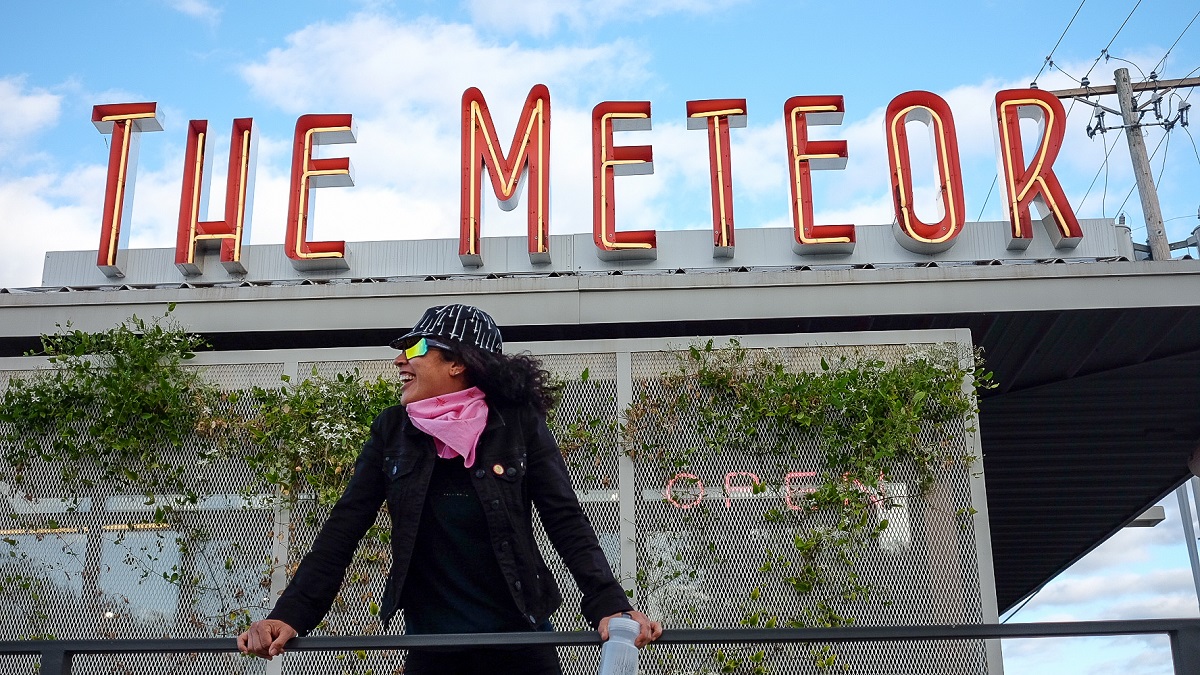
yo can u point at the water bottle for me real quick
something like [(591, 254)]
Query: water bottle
[(619, 656)]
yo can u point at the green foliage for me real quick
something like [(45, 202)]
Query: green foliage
[(116, 408), (587, 442), (109, 411), (866, 414), (307, 434), (867, 417)]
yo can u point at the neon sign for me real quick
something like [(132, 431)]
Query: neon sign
[(686, 490), (526, 167)]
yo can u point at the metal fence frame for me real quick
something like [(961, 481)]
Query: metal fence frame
[(1184, 635)]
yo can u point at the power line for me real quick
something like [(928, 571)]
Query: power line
[(993, 187), (1152, 155), (1050, 58), (1194, 149), (1163, 167), (1104, 52), (1136, 66), (1181, 34), (1103, 168)]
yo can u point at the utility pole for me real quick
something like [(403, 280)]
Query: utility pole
[(1131, 116), (1160, 248)]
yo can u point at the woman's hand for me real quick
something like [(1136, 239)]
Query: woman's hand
[(649, 633), (265, 638)]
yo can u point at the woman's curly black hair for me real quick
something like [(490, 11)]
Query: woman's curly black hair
[(513, 379)]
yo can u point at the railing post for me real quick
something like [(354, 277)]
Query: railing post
[(55, 661), (1185, 650)]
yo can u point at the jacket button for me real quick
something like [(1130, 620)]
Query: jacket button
[(479, 473), (504, 547), (532, 619), (517, 585), (495, 503)]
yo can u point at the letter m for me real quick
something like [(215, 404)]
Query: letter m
[(528, 158)]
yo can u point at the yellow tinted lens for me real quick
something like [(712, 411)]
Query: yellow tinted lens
[(417, 349)]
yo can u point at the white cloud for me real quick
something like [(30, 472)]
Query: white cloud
[(395, 69), (404, 84), (26, 112), (542, 17), (1137, 655), (44, 211), (1117, 586)]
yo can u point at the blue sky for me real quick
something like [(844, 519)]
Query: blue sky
[(400, 68)]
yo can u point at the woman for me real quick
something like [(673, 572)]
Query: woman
[(460, 462)]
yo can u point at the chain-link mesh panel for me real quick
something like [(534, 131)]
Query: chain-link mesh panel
[(229, 377), (714, 552), (93, 567), (7, 376), (20, 664), (99, 560), (165, 664), (585, 425), (367, 370)]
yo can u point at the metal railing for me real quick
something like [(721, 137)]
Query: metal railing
[(1184, 635)]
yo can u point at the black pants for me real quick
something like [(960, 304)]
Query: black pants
[(531, 660)]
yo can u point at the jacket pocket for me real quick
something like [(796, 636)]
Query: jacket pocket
[(398, 467)]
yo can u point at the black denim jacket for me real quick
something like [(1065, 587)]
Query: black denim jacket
[(517, 466)]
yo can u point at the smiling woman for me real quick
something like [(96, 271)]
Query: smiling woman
[(425, 372), (461, 464)]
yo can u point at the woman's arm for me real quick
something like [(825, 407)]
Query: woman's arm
[(319, 577), (549, 486)]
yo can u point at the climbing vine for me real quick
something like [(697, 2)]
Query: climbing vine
[(113, 410), (121, 412), (117, 412), (306, 434), (868, 419)]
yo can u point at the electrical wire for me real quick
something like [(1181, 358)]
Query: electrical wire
[(1050, 58), (1117, 58), (1152, 156), (1103, 168), (1163, 167), (1071, 77), (995, 178), (1194, 149), (1104, 52), (1181, 34)]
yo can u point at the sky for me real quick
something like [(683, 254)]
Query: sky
[(400, 68)]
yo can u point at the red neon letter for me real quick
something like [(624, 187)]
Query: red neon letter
[(718, 116), (124, 121), (308, 173), (610, 160), (530, 152), (699, 490), (239, 190), (913, 233), (804, 156), (730, 488), (1035, 183), (787, 487)]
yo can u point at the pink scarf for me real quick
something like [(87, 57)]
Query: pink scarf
[(454, 420)]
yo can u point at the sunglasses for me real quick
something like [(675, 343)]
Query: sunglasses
[(421, 348)]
